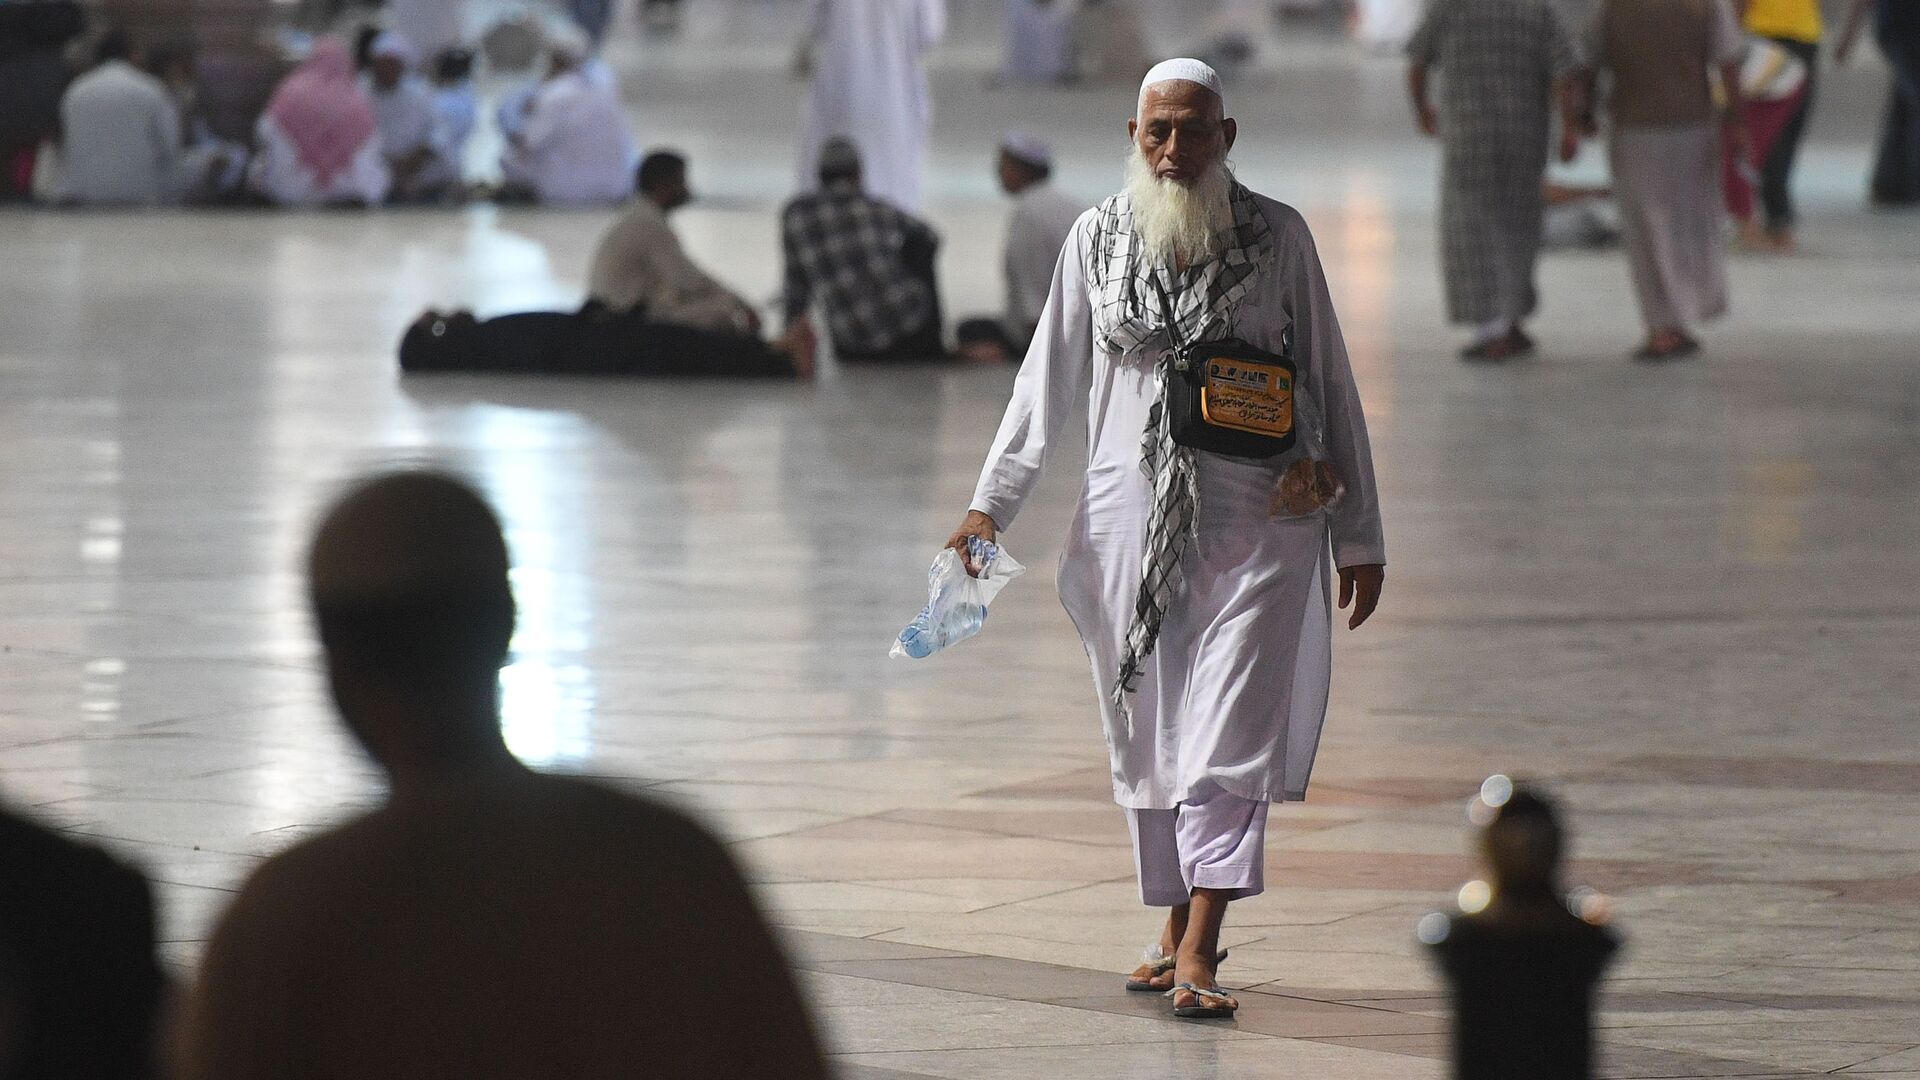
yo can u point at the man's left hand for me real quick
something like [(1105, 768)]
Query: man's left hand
[(1360, 586)]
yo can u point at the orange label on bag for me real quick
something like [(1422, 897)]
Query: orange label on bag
[(1245, 396)]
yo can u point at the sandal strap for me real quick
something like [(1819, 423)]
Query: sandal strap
[(1205, 997)]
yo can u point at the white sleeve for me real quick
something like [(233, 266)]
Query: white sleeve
[(1358, 537), (1047, 390), (933, 23)]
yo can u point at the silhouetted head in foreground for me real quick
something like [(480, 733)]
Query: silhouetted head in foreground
[(1522, 846), (408, 580)]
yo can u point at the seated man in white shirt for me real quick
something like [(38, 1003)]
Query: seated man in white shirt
[(649, 311), (572, 147), (121, 138), (1043, 216), (411, 137)]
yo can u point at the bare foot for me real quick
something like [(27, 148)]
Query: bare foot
[(1667, 344), (1191, 967), (802, 348)]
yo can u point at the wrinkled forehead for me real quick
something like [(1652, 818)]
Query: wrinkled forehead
[(1178, 99)]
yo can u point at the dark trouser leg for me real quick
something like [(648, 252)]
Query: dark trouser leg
[(630, 346), (586, 343), (1776, 172), (542, 341), (989, 333), (1890, 182), (1896, 177)]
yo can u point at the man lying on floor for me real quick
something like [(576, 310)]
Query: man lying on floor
[(650, 311)]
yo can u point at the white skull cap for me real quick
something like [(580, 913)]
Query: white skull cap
[(1183, 69), (1028, 148), (394, 45), (564, 38)]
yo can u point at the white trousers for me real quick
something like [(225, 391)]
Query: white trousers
[(1211, 841)]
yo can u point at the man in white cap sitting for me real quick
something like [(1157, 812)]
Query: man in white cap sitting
[(572, 147), (419, 153), (1043, 216), (1196, 567)]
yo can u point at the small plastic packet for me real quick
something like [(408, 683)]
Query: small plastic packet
[(956, 600), (1307, 483)]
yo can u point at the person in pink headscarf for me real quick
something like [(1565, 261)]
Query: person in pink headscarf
[(319, 140)]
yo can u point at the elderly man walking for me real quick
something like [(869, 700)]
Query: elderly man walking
[(1226, 449)]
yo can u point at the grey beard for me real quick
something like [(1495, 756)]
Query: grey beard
[(1180, 223)]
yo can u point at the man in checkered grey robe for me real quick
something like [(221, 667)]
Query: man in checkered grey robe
[(1499, 62), (1206, 613)]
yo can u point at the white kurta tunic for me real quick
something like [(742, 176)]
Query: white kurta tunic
[(573, 147), (1236, 689), (870, 85)]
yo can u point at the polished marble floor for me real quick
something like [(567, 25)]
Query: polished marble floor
[(1688, 598)]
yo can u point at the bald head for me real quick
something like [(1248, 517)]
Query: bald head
[(408, 578)]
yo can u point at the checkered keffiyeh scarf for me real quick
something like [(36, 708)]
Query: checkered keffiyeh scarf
[(1133, 302)]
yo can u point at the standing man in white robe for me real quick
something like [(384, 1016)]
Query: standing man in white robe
[(1199, 582), (1040, 41), (869, 84)]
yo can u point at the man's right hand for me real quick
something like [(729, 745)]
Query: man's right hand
[(976, 524)]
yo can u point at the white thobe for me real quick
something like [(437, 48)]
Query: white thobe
[(409, 117), (278, 172), (1040, 40), (1387, 25), (1043, 219), (573, 148), (122, 139), (1236, 689), (870, 85)]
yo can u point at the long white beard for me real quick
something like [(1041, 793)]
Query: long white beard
[(1177, 223)]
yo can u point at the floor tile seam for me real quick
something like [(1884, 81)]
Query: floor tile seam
[(1060, 892), (1238, 1036), (167, 880), (1740, 1001), (1726, 1024), (80, 830), (1881, 1057), (123, 797), (1624, 1037), (883, 815), (1662, 619), (1065, 1002)]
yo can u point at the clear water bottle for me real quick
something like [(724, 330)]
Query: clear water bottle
[(956, 605), (956, 601)]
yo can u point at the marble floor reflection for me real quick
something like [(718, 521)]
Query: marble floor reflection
[(1687, 597)]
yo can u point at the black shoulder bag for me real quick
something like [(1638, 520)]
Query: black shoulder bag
[(1228, 397)]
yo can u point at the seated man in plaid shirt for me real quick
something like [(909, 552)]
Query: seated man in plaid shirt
[(869, 264)]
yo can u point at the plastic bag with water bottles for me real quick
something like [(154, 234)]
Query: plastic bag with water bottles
[(956, 600)]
